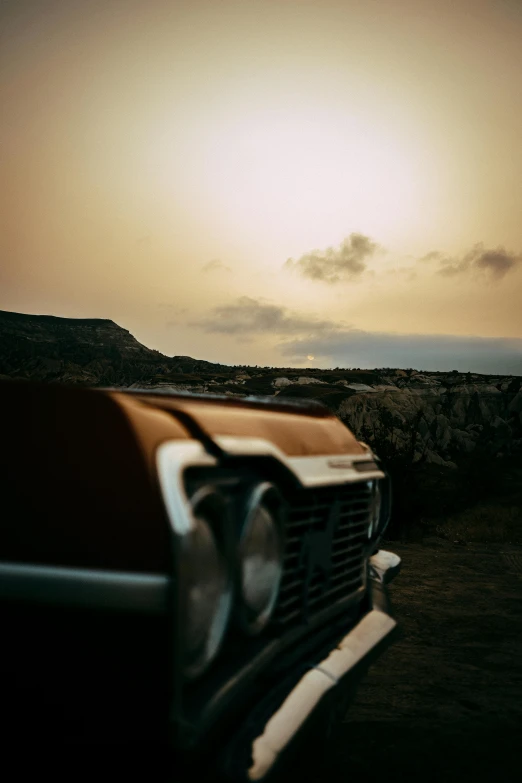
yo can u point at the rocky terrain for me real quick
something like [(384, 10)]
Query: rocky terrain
[(425, 425), (87, 351), (429, 417)]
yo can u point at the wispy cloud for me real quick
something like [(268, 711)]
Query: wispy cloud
[(215, 266), (333, 265), (336, 343), (357, 348), (176, 314), (433, 255), (492, 264), (256, 316)]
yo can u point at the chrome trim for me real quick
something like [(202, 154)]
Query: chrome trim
[(172, 458), (312, 687), (113, 590), (384, 566), (311, 471), (297, 637), (83, 587)]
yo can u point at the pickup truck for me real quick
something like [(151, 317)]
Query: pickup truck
[(200, 574)]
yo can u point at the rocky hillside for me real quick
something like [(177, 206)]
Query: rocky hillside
[(442, 421), (421, 417), (88, 351)]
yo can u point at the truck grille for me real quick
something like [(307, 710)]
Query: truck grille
[(326, 539)]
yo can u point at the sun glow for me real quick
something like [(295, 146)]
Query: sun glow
[(164, 164), (301, 175)]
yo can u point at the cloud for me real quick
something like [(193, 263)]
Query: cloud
[(347, 262), (256, 316), (434, 255), (406, 272), (176, 314), (215, 266), (357, 348), (479, 261), (498, 262), (338, 344)]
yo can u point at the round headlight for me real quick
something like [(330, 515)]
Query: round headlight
[(260, 558), (206, 590)]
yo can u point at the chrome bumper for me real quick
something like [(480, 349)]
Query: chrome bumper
[(319, 681), (385, 566)]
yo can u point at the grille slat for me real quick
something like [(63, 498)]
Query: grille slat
[(326, 533), (315, 513), (355, 536), (343, 518), (342, 551)]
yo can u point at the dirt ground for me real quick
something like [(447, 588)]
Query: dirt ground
[(444, 703)]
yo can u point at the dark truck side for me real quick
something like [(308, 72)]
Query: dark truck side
[(198, 575)]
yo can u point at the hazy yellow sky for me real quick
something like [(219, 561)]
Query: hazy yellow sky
[(258, 181)]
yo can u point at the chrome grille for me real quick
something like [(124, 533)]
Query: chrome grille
[(326, 536)]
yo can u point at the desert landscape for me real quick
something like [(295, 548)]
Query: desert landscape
[(302, 200), (445, 702)]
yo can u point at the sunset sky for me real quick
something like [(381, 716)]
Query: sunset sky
[(262, 181)]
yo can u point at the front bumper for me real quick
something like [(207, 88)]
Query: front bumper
[(332, 679)]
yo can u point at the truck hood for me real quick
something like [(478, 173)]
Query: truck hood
[(294, 428)]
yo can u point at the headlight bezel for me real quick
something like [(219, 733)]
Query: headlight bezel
[(264, 496), (208, 508)]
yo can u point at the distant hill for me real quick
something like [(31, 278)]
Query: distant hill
[(89, 351)]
